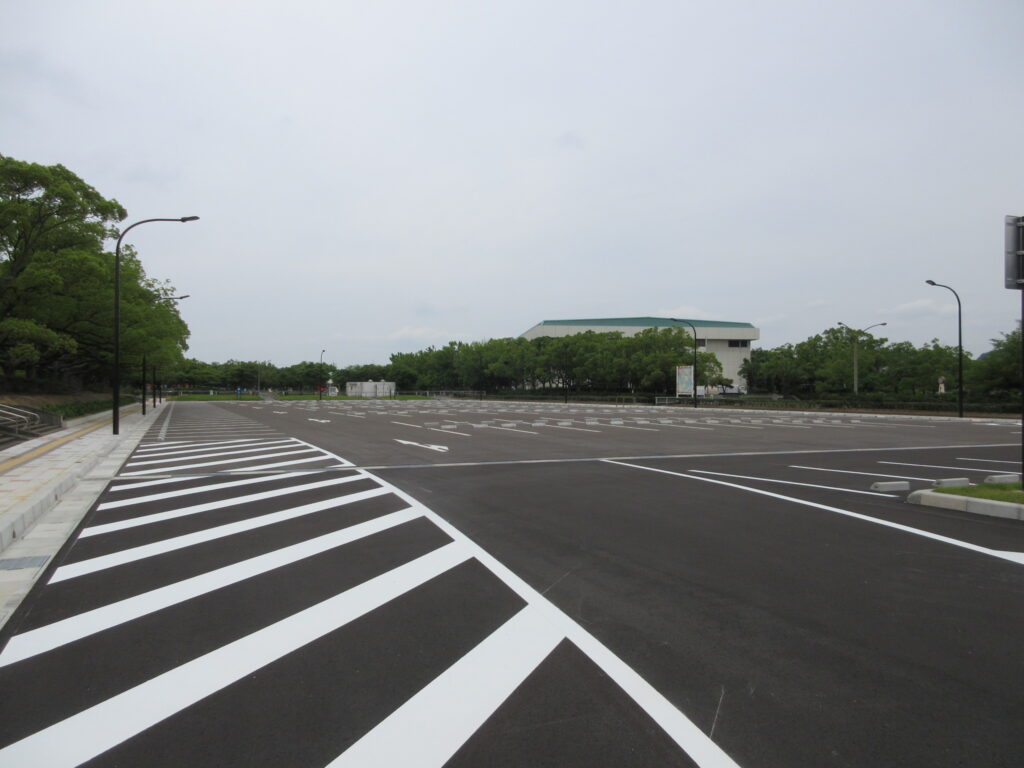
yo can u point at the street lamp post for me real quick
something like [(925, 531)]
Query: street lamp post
[(856, 338), (694, 329), (959, 345), (116, 377), (320, 384)]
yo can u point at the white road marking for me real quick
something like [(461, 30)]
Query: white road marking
[(189, 491), (428, 446), (1013, 557), (219, 463), (173, 514), (869, 474), (403, 424), (790, 482), (431, 726), (939, 466), (510, 429), (102, 562), (91, 732), (448, 431), (171, 458), (989, 461), (74, 628)]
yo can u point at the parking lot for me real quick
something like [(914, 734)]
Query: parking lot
[(480, 583)]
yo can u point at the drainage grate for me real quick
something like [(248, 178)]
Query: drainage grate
[(14, 563)]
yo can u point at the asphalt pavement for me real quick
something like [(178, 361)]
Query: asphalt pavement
[(475, 583)]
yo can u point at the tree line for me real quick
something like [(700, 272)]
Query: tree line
[(587, 362), (823, 365)]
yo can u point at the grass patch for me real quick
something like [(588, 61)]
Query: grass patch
[(1010, 492), (85, 408), (198, 398)]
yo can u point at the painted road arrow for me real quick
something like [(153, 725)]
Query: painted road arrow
[(428, 446)]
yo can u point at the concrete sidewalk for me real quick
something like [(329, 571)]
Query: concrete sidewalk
[(46, 487)]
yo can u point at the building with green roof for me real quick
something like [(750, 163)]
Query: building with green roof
[(729, 341)]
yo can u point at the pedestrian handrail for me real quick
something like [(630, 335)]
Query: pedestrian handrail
[(15, 418)]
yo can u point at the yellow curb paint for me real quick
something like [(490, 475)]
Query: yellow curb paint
[(43, 449)]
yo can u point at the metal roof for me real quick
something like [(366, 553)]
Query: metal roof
[(646, 322)]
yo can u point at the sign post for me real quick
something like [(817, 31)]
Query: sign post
[(1014, 278), (685, 384)]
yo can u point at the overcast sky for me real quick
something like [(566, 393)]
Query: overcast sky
[(383, 176)]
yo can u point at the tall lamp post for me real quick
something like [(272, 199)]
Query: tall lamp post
[(116, 377), (320, 384), (856, 338), (692, 328), (959, 345)]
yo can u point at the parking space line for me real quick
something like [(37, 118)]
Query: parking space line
[(939, 466), (1013, 557), (869, 474), (791, 482)]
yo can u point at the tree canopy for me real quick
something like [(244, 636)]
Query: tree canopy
[(56, 284)]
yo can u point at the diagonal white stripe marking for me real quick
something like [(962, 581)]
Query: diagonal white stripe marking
[(431, 726), (158, 470), (102, 562), (189, 491), (68, 630), (186, 453), (226, 451), (157, 517), (171, 446), (91, 732)]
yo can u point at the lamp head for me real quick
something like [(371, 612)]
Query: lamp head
[(930, 282), (183, 219)]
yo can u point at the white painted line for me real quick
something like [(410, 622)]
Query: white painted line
[(428, 446), (989, 461), (431, 726), (74, 628), (1013, 557), (189, 491), (688, 426), (403, 424), (939, 466), (679, 728), (158, 470), (449, 431), (790, 482), (168, 458), (510, 429), (623, 426), (83, 567), (868, 474), (173, 514), (193, 447), (575, 429), (89, 733)]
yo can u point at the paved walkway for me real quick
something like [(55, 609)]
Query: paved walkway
[(46, 487)]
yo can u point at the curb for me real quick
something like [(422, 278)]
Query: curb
[(1003, 509), (17, 520)]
